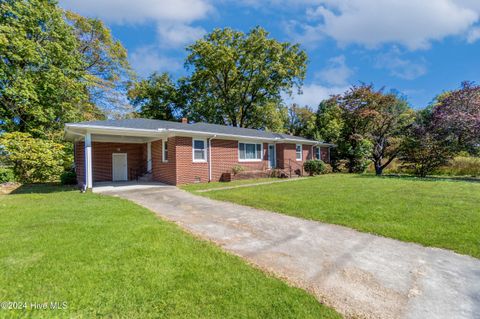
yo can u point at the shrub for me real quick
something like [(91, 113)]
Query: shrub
[(314, 167), (68, 178), (33, 159), (237, 169), (6, 175)]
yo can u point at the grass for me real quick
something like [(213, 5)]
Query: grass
[(460, 166), (431, 212), (107, 257), (202, 186)]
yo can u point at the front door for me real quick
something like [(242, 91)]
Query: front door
[(271, 156), (119, 167)]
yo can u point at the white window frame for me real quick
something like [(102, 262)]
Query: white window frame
[(250, 159), (164, 158), (301, 152), (204, 150)]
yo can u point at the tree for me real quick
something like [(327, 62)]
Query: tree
[(456, 116), (155, 97), (41, 72), (329, 121), (33, 159), (372, 126), (56, 67), (237, 79), (422, 149), (389, 118), (105, 63), (301, 121)]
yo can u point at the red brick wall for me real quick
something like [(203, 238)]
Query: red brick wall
[(102, 159), (79, 158), (286, 153), (224, 157), (163, 171), (324, 154), (187, 170)]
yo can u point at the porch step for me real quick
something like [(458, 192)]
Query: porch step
[(146, 178)]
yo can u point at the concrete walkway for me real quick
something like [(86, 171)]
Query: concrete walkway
[(360, 275)]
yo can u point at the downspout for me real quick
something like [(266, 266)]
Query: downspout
[(210, 157)]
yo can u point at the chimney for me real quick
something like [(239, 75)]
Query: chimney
[(184, 120)]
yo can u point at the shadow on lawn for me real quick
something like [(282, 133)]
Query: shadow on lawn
[(43, 188), (424, 179)]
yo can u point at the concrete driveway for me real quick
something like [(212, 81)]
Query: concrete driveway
[(360, 275)]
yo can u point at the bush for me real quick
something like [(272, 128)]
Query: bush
[(314, 167), (237, 169), (33, 159), (68, 178), (6, 175)]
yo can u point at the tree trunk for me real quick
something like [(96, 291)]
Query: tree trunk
[(378, 168)]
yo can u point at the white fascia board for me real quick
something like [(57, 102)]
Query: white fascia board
[(93, 128), (219, 135), (291, 140), (107, 130)]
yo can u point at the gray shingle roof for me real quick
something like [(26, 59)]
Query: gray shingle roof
[(149, 124)]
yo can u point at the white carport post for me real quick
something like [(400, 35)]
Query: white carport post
[(88, 161)]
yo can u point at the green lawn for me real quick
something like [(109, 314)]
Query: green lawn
[(107, 257), (431, 212), (202, 186)]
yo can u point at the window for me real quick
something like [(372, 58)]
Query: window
[(165, 151), (199, 151), (298, 150), (317, 153), (249, 152)]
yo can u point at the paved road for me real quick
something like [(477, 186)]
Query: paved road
[(360, 275)]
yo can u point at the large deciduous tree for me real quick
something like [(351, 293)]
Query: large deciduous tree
[(237, 79), (424, 148), (456, 116), (154, 97), (301, 121), (55, 67), (366, 124), (41, 69), (105, 64)]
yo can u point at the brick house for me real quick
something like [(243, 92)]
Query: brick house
[(180, 153)]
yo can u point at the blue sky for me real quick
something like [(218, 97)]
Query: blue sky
[(418, 47)]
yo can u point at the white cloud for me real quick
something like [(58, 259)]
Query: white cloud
[(371, 23), (336, 73), (473, 35), (146, 60), (178, 35), (139, 11), (173, 18), (313, 94), (399, 66)]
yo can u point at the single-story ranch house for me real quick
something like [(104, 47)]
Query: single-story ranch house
[(180, 153)]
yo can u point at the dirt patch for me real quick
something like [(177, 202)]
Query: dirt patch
[(7, 188)]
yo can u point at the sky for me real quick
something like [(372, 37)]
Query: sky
[(419, 48)]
